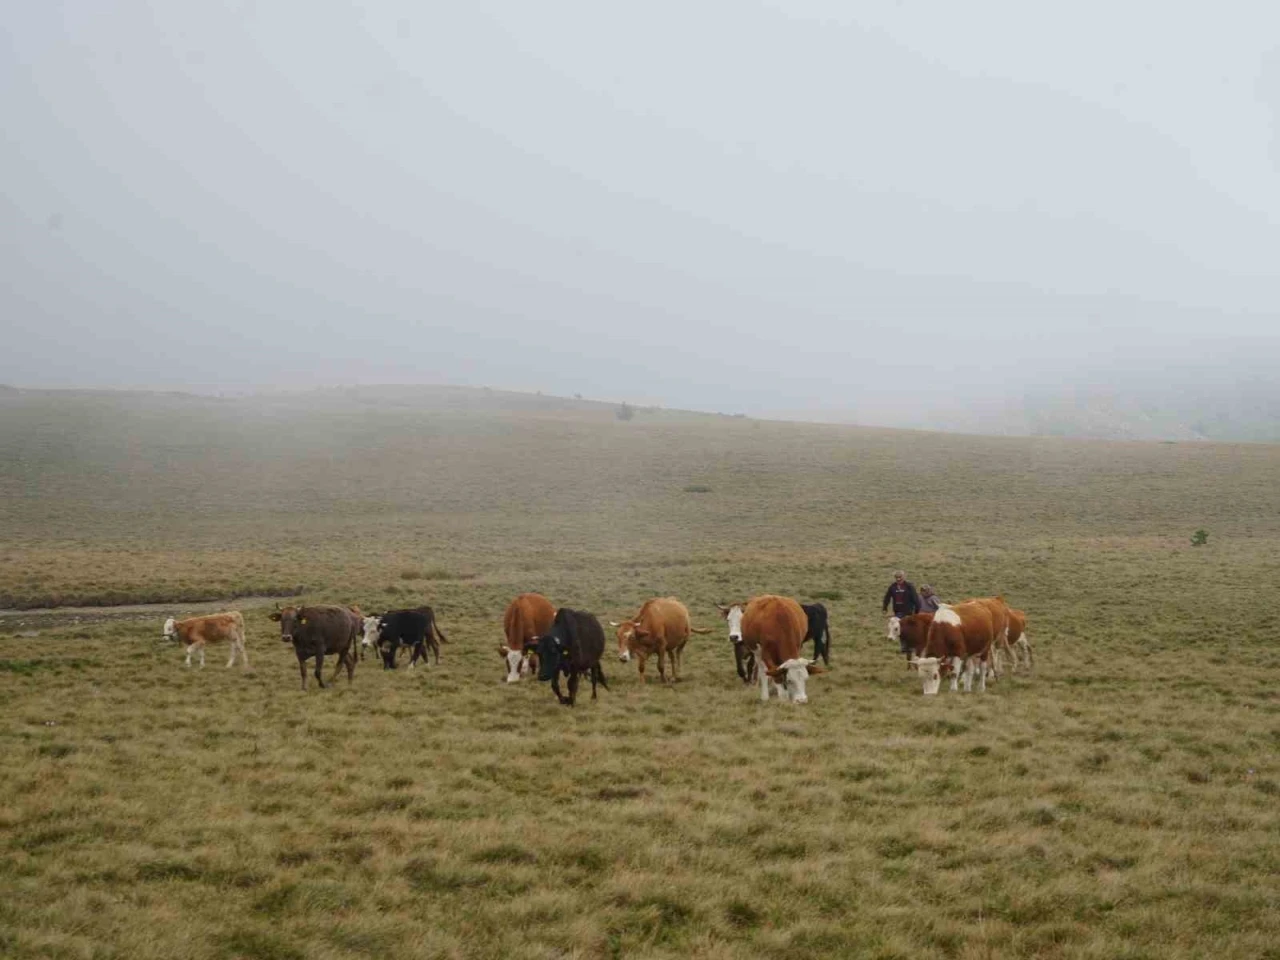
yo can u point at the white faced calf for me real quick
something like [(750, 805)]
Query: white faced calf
[(930, 673)]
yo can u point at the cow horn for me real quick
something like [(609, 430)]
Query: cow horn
[(614, 623)]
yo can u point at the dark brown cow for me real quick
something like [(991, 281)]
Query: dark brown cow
[(528, 617), (318, 630), (911, 632), (772, 630), (661, 627), (195, 632), (962, 634)]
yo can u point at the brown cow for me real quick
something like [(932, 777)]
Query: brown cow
[(528, 617), (773, 629), (1016, 642), (962, 634), (661, 627), (910, 632), (317, 630), (195, 632)]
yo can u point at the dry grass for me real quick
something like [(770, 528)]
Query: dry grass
[(1121, 803)]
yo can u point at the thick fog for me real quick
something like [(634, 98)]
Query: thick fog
[(776, 208)]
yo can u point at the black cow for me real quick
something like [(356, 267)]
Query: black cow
[(318, 630), (403, 628), (819, 631), (573, 646)]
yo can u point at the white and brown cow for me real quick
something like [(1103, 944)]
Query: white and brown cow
[(772, 630), (961, 636), (196, 632), (529, 617)]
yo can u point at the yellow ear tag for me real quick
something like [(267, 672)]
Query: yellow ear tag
[(302, 619)]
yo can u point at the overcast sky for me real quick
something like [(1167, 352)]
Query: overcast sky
[(767, 207)]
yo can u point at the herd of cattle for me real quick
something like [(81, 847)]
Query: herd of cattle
[(963, 640)]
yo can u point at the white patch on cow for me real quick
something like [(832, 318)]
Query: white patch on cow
[(946, 615), (956, 663), (169, 630), (191, 649), (895, 628), (797, 675), (625, 656), (516, 665), (734, 619), (930, 674), (763, 674), (370, 638)]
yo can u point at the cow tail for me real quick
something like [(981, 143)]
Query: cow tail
[(439, 633)]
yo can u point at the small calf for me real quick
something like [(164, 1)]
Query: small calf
[(196, 632)]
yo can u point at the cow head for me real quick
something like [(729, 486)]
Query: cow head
[(895, 629), (517, 660), (930, 673), (289, 618), (551, 651), (733, 617), (170, 632), (628, 630), (791, 675), (372, 630)]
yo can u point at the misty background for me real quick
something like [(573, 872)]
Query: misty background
[(984, 216)]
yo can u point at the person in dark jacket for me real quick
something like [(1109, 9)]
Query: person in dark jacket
[(902, 594), (928, 600)]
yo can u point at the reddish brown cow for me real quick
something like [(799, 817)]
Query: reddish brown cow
[(962, 634), (911, 632), (773, 629), (195, 632), (528, 617), (661, 627)]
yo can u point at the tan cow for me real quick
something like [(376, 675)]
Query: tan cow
[(196, 632), (661, 627), (772, 630), (528, 617), (1017, 642)]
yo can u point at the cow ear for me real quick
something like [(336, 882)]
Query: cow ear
[(814, 668), (614, 623), (724, 611), (274, 616)]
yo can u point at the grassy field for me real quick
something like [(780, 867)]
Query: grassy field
[(1122, 802)]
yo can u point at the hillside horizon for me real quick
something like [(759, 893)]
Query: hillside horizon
[(1097, 412)]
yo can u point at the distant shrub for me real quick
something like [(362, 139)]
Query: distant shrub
[(625, 411), (697, 488), (1200, 538)]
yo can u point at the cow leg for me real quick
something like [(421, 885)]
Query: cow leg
[(190, 650), (672, 655), (982, 677), (202, 656), (555, 686), (244, 655), (593, 680), (573, 687), (956, 663), (640, 659), (234, 651), (320, 666), (302, 668), (1025, 645), (764, 683), (351, 666), (662, 669)]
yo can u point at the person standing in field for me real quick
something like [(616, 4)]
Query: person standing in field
[(928, 600), (902, 594)]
